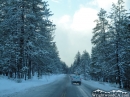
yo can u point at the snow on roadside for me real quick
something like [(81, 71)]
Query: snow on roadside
[(8, 86), (101, 85)]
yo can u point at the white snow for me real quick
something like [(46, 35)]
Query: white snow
[(8, 86), (101, 85)]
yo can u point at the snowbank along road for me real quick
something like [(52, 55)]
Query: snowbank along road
[(59, 88)]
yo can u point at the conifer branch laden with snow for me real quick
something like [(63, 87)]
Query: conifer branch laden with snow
[(27, 39)]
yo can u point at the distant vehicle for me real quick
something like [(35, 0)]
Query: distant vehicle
[(75, 79)]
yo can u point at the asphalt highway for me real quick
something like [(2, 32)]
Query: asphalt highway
[(59, 88)]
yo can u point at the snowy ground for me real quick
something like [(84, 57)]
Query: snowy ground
[(8, 86), (101, 85)]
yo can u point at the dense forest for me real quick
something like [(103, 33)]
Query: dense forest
[(110, 56), (26, 43)]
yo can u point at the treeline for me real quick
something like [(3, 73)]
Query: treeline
[(26, 40), (110, 57), (81, 64), (111, 46)]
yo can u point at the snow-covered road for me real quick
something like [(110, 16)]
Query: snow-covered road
[(60, 86)]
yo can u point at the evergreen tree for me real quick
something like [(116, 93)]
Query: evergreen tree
[(85, 64), (28, 45), (76, 64), (111, 46), (99, 40), (119, 32)]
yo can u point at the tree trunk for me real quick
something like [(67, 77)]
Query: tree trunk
[(29, 69), (118, 68), (21, 60)]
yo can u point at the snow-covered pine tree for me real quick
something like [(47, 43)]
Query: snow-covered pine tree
[(76, 66), (3, 3), (41, 44), (99, 40), (85, 64), (64, 68), (95, 70), (56, 64), (10, 26), (28, 37), (126, 50), (118, 32)]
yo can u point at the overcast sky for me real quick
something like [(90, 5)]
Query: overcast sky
[(74, 21)]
